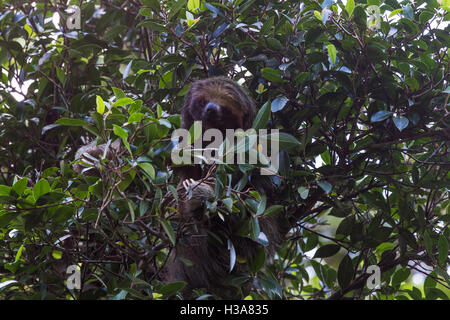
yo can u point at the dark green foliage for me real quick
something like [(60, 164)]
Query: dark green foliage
[(364, 174)]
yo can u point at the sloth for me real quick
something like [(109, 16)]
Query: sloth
[(201, 257)]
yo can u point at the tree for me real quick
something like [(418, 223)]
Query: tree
[(362, 102)]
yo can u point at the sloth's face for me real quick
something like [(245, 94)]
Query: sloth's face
[(217, 108), (214, 113)]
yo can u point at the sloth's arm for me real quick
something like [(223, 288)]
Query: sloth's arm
[(196, 192), (193, 194)]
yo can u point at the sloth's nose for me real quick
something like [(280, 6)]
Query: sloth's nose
[(212, 109)]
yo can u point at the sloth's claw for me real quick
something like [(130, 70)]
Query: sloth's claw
[(189, 183), (197, 189)]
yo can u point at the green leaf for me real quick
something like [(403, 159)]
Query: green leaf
[(435, 293), (5, 190), (148, 169), (327, 250), (143, 207), (415, 294), (19, 253), (442, 250), (302, 76), (154, 4), (136, 117), (380, 116), (174, 192), (272, 74), (244, 5), (303, 192), (6, 217), (120, 132), (326, 186), (195, 132), (443, 273), (412, 83), (61, 75), (360, 17), (349, 7), (273, 210), (262, 205), (57, 254), (63, 214), (77, 123), (152, 25), (384, 247), (20, 186), (71, 122), (127, 70), (326, 157), (401, 122), (40, 188), (123, 102), (332, 53), (190, 19), (136, 106), (193, 5), (146, 12), (168, 230), (100, 105), (127, 181), (172, 288), (278, 103), (408, 12), (396, 11), (255, 228), (285, 141), (345, 272), (232, 255), (270, 285), (274, 44), (257, 261), (131, 209), (175, 8), (228, 202), (118, 93), (262, 117), (428, 242), (400, 276), (318, 15)]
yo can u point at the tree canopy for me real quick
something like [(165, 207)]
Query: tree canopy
[(359, 90)]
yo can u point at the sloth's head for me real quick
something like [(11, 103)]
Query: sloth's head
[(218, 103)]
